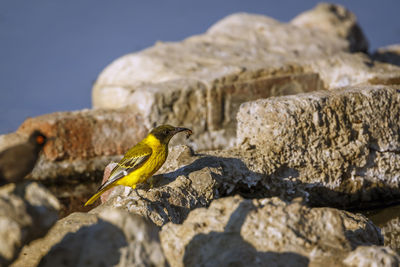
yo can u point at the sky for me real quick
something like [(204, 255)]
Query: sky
[(51, 51)]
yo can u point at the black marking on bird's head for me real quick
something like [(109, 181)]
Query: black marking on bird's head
[(38, 138), (164, 133)]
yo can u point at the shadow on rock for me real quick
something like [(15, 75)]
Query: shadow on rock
[(388, 57), (95, 245), (204, 162), (388, 220), (192, 181), (228, 248), (233, 176)]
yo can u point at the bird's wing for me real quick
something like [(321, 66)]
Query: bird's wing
[(132, 160)]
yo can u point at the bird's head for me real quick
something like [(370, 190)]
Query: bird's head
[(37, 138), (164, 133)]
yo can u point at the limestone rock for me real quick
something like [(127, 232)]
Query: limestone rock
[(33, 253), (111, 237), (239, 232), (201, 81), (342, 145), (198, 83), (210, 113), (85, 141), (332, 148), (178, 189), (389, 54), (336, 20), (27, 211), (87, 134), (391, 233), (388, 219), (188, 181), (344, 70), (372, 256)]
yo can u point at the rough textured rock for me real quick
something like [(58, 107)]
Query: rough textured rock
[(87, 134), (210, 113), (85, 141), (372, 256), (110, 238), (391, 233), (388, 219), (389, 54), (333, 148), (343, 145), (201, 81), (336, 20), (337, 148), (343, 70), (237, 232), (27, 211), (176, 190), (188, 181)]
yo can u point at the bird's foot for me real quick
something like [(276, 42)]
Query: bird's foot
[(137, 193)]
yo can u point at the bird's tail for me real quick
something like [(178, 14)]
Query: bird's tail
[(97, 195)]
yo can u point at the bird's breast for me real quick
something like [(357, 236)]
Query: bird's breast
[(158, 158), (153, 164)]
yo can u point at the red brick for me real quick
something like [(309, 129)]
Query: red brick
[(87, 133)]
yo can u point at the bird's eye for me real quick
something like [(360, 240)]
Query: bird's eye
[(165, 132), (40, 140)]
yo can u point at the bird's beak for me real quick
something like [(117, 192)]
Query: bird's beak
[(180, 129)]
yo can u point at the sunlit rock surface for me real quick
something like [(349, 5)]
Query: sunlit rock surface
[(201, 81), (237, 232), (343, 144), (109, 238), (290, 116), (27, 211)]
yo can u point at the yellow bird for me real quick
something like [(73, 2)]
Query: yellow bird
[(142, 160)]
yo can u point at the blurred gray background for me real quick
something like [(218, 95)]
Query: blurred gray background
[(51, 51)]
